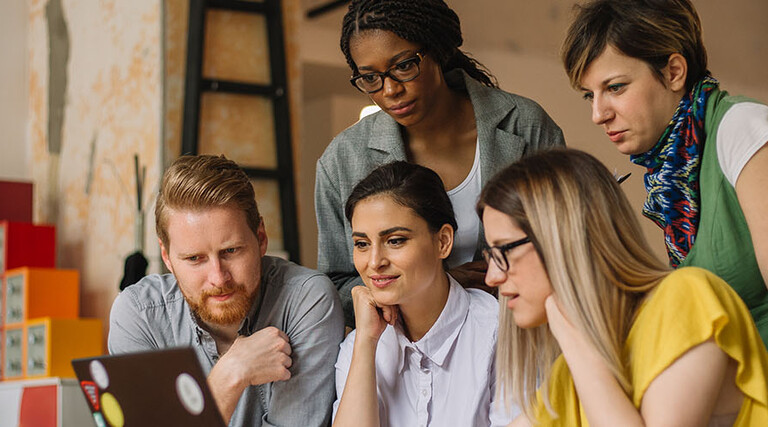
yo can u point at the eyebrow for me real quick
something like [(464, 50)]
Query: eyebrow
[(382, 232), (605, 82), (392, 230), (183, 255), (393, 60)]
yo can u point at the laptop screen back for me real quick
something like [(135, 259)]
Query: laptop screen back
[(157, 388)]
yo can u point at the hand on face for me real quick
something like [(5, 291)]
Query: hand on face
[(559, 324), (260, 358), (371, 318)]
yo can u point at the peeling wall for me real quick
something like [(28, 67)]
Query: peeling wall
[(14, 149), (91, 109), (241, 127)]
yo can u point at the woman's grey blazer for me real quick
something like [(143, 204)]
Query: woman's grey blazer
[(508, 127)]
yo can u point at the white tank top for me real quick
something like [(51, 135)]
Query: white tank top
[(463, 198)]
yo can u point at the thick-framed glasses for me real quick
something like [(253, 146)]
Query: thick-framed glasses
[(499, 253), (404, 71)]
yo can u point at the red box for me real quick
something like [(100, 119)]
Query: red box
[(24, 244), (16, 201)]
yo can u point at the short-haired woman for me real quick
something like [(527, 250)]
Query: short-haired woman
[(643, 67)]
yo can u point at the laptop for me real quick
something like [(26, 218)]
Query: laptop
[(147, 389)]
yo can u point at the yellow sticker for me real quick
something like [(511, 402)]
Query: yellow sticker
[(112, 410)]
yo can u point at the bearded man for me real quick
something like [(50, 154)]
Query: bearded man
[(265, 330)]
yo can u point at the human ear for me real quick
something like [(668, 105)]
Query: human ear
[(445, 240), (676, 72), (164, 255), (261, 236)]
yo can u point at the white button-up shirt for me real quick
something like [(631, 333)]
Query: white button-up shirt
[(447, 378)]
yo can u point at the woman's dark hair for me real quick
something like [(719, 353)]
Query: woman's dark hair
[(649, 30), (430, 24), (410, 185)]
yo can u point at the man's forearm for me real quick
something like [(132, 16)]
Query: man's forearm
[(226, 389)]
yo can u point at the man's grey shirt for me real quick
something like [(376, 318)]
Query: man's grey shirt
[(152, 314)]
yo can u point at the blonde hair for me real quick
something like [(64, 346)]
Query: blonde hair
[(201, 182), (591, 245)]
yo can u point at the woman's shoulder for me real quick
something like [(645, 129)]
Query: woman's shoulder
[(482, 302), (680, 284), (482, 314), (688, 307), (490, 101), (355, 139), (683, 294), (685, 309)]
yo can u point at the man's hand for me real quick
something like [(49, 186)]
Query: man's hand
[(261, 358)]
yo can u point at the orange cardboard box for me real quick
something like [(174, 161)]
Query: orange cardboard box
[(37, 292), (51, 344)]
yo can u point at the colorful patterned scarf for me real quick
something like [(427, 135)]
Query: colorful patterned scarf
[(672, 177)]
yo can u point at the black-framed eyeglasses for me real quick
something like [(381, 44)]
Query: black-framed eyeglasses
[(404, 71), (499, 253)]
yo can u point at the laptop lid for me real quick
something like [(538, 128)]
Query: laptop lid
[(156, 388)]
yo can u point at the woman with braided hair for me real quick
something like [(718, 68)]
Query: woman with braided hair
[(642, 66), (440, 109)]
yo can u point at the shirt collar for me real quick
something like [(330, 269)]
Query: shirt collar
[(248, 324), (440, 339)]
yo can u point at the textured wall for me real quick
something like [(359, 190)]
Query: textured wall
[(14, 161), (241, 127), (91, 109)]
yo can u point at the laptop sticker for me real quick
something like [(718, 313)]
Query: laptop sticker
[(112, 410), (99, 419), (99, 374), (89, 387), (190, 394)]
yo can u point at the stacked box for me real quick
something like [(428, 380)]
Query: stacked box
[(40, 332), (51, 345), (16, 201), (25, 244), (38, 292), (42, 328), (13, 352)]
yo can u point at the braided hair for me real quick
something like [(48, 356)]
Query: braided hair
[(429, 23)]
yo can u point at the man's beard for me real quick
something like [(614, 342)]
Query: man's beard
[(228, 312)]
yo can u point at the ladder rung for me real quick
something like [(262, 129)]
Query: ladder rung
[(239, 5), (213, 85), (262, 173)]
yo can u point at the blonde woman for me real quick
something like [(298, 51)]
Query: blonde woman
[(609, 332)]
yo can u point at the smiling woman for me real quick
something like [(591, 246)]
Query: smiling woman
[(423, 350), (440, 109)]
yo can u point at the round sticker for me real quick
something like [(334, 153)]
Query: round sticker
[(112, 410), (190, 394), (99, 374)]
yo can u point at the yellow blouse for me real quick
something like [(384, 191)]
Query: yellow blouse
[(689, 307)]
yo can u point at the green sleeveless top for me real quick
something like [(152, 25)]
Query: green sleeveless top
[(723, 243)]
